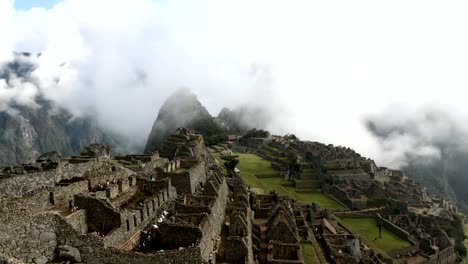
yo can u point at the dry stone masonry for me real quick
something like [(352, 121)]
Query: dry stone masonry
[(176, 205)]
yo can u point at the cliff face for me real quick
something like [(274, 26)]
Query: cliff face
[(181, 109), (26, 131)]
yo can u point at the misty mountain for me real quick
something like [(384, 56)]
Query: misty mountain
[(244, 118), (181, 109), (433, 145), (26, 131)]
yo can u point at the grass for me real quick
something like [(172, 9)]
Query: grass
[(308, 253), (251, 164), (312, 252), (367, 229)]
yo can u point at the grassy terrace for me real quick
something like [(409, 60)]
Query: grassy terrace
[(369, 232), (251, 164)]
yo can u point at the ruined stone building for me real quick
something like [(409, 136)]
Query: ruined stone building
[(173, 206), (94, 209)]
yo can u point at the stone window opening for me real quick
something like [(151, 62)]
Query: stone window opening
[(154, 208), (128, 225), (142, 216), (147, 210), (135, 221), (51, 198)]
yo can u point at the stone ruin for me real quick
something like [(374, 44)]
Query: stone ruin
[(94, 209), (177, 206), (356, 182)]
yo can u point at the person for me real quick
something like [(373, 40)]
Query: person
[(70, 202)]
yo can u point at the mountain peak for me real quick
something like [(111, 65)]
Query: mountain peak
[(181, 109)]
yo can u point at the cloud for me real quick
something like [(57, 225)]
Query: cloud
[(320, 67), (420, 135)]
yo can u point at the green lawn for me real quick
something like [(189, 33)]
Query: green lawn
[(251, 164), (368, 230)]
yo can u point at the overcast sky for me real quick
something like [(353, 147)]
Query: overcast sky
[(323, 66)]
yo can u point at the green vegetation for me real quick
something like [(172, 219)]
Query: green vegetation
[(230, 163), (381, 202), (308, 253), (312, 252), (251, 164), (211, 131), (256, 133), (368, 230)]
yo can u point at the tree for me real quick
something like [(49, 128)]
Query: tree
[(230, 162), (256, 133)]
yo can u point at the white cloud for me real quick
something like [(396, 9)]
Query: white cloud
[(329, 63)]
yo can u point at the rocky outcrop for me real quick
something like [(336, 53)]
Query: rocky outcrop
[(96, 151), (68, 253), (181, 109)]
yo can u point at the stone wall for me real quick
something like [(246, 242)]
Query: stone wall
[(100, 215), (12, 210), (179, 235), (62, 194), (284, 253), (78, 221), (197, 176), (187, 181), (254, 143), (29, 184), (403, 234), (237, 250), (93, 251), (180, 180), (132, 223), (341, 195), (29, 239), (26, 184), (212, 229)]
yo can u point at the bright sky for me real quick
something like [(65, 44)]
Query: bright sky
[(27, 4)]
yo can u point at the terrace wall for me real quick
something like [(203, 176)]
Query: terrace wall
[(403, 234)]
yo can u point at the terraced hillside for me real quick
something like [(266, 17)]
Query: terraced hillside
[(306, 182), (258, 173), (262, 176)]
